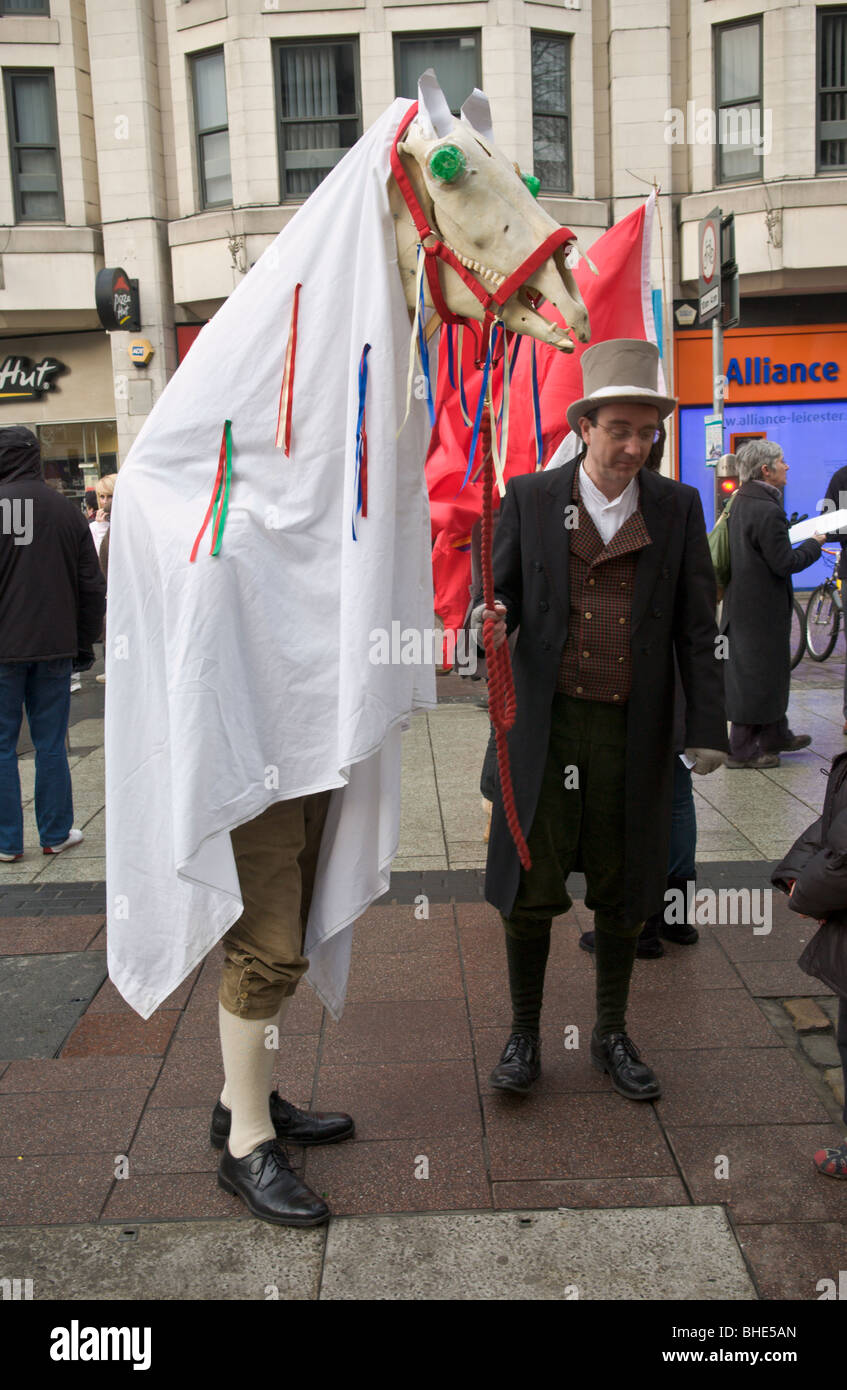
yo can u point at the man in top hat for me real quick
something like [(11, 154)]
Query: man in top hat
[(605, 570)]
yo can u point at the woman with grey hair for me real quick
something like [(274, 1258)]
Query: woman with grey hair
[(757, 610)]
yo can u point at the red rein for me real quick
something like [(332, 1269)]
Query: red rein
[(501, 689)]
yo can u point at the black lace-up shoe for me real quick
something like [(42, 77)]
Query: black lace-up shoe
[(266, 1182), (519, 1065), (617, 1054), (292, 1126)]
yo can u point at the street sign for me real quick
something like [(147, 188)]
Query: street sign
[(116, 298), (709, 243), (714, 439)]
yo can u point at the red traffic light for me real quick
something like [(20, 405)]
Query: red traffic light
[(729, 484)]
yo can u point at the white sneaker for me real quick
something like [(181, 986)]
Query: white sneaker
[(76, 683), (101, 680), (76, 837), (10, 858)]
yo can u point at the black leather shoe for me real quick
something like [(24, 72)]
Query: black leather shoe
[(265, 1181), (650, 948), (292, 1126), (519, 1065), (793, 743), (617, 1054)]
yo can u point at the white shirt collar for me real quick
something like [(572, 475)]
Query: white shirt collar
[(590, 491)]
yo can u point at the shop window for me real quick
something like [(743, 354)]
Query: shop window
[(74, 455), (738, 101), (319, 111), (208, 77), (832, 90), (551, 120), (26, 7), (34, 145), (455, 58)]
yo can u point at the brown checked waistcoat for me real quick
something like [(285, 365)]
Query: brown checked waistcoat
[(596, 661)]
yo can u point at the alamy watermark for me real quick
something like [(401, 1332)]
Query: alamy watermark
[(720, 907), (733, 127), (429, 646), (16, 519)]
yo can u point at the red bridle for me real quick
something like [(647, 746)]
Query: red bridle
[(436, 250)]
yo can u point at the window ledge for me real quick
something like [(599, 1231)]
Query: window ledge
[(200, 12), (19, 29)]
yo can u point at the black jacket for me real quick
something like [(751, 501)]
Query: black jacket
[(757, 605), (817, 862), (673, 614), (837, 494), (52, 590)]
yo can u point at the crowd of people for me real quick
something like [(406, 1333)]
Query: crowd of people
[(622, 693)]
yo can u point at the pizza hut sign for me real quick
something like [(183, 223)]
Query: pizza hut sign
[(116, 297)]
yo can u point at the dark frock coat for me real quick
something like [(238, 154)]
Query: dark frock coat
[(673, 612), (757, 605)]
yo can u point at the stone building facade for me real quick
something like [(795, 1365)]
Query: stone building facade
[(174, 138)]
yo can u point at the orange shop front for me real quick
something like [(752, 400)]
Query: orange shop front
[(786, 384)]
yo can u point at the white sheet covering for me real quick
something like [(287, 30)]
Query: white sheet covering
[(245, 678)]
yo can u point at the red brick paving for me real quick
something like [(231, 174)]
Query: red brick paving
[(427, 1015)]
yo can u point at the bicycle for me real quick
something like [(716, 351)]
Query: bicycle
[(798, 633), (823, 613)]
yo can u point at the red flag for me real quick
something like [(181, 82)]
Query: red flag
[(619, 304)]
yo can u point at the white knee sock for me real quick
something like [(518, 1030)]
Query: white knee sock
[(248, 1069)]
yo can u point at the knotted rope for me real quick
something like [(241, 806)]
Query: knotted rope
[(501, 689)]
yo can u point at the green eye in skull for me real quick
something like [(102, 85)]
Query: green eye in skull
[(447, 163)]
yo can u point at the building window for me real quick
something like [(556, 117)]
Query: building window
[(34, 146), (455, 58), (208, 78), (738, 101), (24, 7), (551, 103), (319, 111), (832, 90), (75, 454)]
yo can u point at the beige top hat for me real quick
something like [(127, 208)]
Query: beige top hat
[(622, 369)]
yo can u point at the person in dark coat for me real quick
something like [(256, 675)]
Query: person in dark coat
[(814, 873), (52, 600), (836, 494), (757, 608), (605, 569)]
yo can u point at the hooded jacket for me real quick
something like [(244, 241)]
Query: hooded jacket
[(817, 862), (52, 590)]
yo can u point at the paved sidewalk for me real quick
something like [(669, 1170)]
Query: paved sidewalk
[(107, 1179)]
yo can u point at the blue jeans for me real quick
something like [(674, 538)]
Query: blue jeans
[(44, 687)]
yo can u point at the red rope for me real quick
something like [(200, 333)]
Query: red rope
[(501, 689)]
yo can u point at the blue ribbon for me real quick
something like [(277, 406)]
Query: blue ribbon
[(536, 408), (360, 434), (480, 405), (424, 352), (451, 369)]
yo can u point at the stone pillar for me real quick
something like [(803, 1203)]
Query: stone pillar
[(639, 98), (128, 121)]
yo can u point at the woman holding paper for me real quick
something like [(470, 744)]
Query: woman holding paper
[(757, 610)]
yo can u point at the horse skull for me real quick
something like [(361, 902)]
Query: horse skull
[(486, 214)]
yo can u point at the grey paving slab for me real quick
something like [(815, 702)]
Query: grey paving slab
[(170, 1260), (41, 998), (657, 1253)]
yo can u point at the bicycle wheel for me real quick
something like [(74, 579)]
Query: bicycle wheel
[(822, 623), (798, 633)]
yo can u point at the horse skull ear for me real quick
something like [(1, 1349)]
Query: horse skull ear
[(476, 113), (434, 114)]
